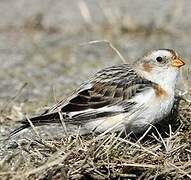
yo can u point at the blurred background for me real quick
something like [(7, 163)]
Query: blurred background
[(44, 49)]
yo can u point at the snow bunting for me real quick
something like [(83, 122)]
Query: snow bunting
[(124, 97)]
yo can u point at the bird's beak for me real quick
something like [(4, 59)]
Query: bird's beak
[(177, 62)]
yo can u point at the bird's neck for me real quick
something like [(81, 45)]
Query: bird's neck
[(165, 79)]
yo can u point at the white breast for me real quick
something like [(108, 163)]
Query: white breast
[(150, 109)]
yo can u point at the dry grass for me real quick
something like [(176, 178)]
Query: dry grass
[(152, 156), (160, 153)]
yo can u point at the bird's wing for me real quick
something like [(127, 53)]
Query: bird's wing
[(109, 92)]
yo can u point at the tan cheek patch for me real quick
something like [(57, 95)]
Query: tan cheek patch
[(147, 67), (160, 92)]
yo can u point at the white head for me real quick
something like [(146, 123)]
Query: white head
[(160, 66)]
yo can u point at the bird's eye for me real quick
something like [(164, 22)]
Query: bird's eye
[(159, 59)]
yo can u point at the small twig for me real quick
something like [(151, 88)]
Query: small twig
[(33, 127), (110, 44), (131, 165), (166, 148), (168, 141), (145, 133), (62, 122)]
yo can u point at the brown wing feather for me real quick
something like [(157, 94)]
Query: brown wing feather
[(109, 86)]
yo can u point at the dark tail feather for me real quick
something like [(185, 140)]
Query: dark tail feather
[(22, 127), (37, 121)]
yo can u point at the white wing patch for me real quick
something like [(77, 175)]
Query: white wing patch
[(99, 110)]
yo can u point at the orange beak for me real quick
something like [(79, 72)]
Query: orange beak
[(177, 63)]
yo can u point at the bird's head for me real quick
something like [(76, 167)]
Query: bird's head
[(160, 66)]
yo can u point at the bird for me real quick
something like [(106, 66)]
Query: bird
[(125, 97)]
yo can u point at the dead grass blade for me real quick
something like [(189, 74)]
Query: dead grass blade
[(110, 45)]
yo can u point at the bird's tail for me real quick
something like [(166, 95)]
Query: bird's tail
[(37, 121)]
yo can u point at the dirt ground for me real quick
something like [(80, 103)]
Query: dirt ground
[(45, 54)]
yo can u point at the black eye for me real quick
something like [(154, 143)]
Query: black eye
[(159, 59)]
